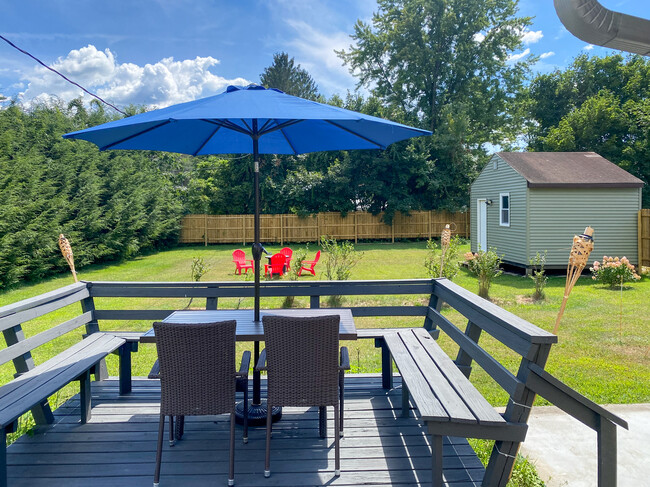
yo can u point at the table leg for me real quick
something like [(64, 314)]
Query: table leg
[(257, 408)]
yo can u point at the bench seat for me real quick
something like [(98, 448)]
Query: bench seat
[(447, 401), (75, 363)]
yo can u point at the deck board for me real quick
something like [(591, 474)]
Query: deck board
[(118, 445)]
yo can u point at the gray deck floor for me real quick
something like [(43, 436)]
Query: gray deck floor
[(118, 446)]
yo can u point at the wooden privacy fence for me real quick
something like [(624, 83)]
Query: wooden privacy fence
[(212, 229), (644, 238)]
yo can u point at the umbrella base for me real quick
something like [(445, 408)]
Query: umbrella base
[(256, 413)]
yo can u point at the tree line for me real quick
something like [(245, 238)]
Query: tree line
[(443, 65)]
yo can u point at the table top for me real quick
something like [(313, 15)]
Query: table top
[(247, 329)]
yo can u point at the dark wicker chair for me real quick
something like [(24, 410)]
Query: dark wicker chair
[(305, 368), (197, 376)]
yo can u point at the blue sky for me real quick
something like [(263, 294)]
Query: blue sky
[(159, 52)]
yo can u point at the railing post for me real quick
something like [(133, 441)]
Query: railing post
[(41, 412), (504, 453), (606, 453), (88, 304), (435, 303), (314, 302), (463, 359)]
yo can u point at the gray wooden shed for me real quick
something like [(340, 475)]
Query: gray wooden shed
[(527, 202)]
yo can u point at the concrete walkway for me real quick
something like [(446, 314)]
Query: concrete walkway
[(564, 450)]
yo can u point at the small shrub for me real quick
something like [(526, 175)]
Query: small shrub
[(614, 271), (486, 266), (340, 259), (292, 274), (436, 266), (538, 275), (198, 270)]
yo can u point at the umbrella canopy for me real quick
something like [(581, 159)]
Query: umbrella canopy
[(248, 120), (227, 123)]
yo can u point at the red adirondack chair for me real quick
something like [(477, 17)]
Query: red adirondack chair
[(239, 258), (278, 261), (308, 265), (289, 254)]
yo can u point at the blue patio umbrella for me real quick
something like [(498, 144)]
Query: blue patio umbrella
[(248, 120)]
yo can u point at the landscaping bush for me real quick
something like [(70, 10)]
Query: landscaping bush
[(486, 266), (614, 271), (538, 275), (339, 261), (292, 274), (439, 265)]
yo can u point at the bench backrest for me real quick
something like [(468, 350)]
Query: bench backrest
[(13, 316)]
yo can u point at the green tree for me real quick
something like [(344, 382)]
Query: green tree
[(596, 104), (284, 74), (550, 97), (444, 65), (110, 205)]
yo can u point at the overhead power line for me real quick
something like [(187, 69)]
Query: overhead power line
[(62, 76)]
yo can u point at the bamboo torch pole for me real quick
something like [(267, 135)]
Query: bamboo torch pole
[(445, 239), (582, 246), (66, 250)]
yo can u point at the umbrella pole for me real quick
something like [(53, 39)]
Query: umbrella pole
[(257, 255)]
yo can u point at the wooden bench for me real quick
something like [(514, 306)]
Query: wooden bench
[(448, 403), (34, 384)]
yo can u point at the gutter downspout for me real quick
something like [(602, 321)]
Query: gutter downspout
[(590, 21)]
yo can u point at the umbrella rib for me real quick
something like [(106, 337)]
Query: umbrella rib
[(266, 124), (113, 144), (287, 139), (282, 125), (206, 141), (380, 146), (228, 124)]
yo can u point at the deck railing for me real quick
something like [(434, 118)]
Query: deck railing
[(531, 342)]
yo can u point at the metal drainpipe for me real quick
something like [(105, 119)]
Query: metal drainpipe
[(590, 21)]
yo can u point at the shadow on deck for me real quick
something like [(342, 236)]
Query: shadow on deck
[(118, 446)]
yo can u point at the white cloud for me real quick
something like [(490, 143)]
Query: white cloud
[(588, 47), (479, 37), (531, 36), (547, 54), (517, 57), (315, 52), (160, 84)]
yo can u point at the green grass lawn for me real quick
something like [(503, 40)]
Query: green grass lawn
[(595, 355), (602, 353)]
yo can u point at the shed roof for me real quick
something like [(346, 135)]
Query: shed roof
[(569, 170)]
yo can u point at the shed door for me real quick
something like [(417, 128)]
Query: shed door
[(481, 223)]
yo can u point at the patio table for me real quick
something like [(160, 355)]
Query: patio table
[(248, 330)]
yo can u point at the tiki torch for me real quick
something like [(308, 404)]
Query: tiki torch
[(582, 246), (445, 239), (66, 250)]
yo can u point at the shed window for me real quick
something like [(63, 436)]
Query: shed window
[(504, 209)]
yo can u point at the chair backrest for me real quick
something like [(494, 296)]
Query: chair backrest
[(197, 367), (317, 257), (277, 262), (302, 356), (287, 251), (239, 256)]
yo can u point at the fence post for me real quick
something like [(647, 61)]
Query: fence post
[(639, 237), (356, 230), (205, 229), (392, 230), (281, 229)]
